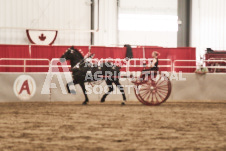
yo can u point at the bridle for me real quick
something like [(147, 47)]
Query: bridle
[(83, 61)]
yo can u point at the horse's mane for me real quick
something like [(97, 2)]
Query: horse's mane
[(79, 52)]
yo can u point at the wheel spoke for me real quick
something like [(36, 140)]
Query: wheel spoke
[(162, 83), (156, 98), (148, 96), (142, 89), (160, 96), (152, 98), (158, 80), (146, 86), (163, 92), (144, 94), (164, 80), (162, 88)]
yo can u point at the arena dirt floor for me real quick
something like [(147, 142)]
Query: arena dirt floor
[(110, 126)]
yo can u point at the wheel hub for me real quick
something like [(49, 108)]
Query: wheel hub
[(152, 88)]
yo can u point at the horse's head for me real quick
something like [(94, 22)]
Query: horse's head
[(68, 55), (71, 54)]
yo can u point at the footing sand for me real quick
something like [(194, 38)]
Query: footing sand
[(110, 126)]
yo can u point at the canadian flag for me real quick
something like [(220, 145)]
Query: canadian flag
[(41, 37)]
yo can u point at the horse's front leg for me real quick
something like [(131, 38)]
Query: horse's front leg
[(68, 87), (84, 92)]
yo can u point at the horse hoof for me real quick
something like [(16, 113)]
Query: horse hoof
[(102, 101), (73, 92), (84, 103), (123, 103)]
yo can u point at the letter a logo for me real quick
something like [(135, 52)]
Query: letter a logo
[(24, 87)]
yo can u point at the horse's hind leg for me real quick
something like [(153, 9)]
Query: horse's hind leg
[(68, 90), (84, 92), (121, 90), (110, 89)]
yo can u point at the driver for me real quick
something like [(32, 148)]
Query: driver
[(154, 64)]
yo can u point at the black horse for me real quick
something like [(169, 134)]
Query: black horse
[(84, 71)]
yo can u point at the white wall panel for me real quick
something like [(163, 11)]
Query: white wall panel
[(154, 38), (45, 14), (151, 8), (159, 7), (107, 34), (208, 25)]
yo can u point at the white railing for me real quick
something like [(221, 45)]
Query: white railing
[(143, 59), (24, 65), (195, 66), (124, 63)]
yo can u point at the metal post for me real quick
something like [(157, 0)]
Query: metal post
[(183, 34), (93, 19)]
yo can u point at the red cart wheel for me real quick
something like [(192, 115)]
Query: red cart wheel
[(153, 91)]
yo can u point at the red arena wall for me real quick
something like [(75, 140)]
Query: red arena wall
[(49, 52)]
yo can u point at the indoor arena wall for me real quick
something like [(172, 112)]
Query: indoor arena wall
[(17, 16), (208, 25), (208, 87)]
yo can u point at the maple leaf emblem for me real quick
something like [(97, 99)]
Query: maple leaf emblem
[(42, 37)]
